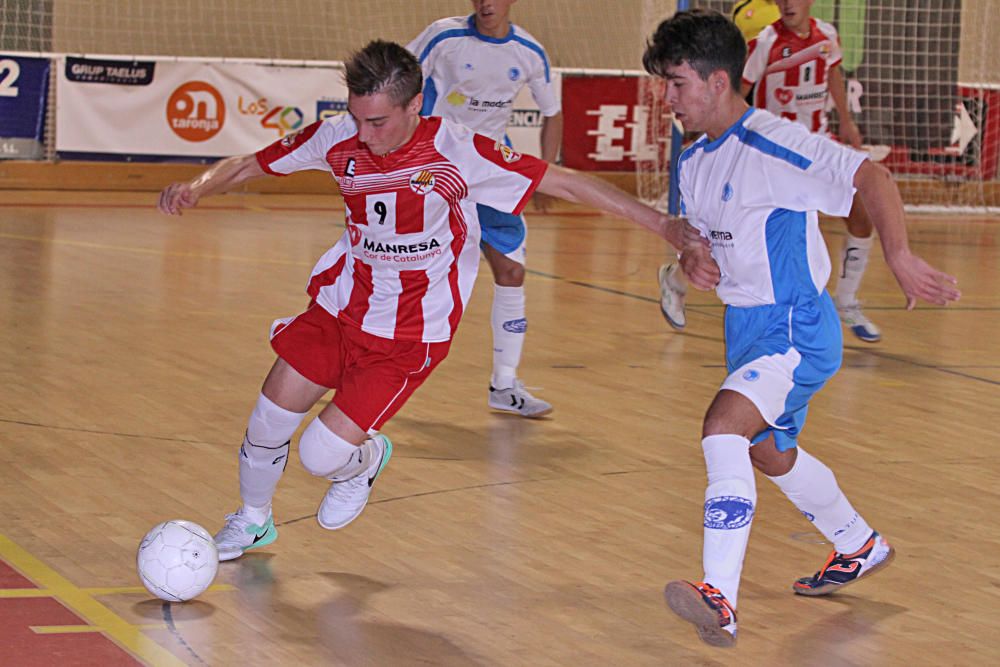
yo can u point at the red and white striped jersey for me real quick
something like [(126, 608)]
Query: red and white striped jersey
[(791, 72), (405, 266)]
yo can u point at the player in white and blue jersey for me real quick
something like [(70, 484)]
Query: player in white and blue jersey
[(752, 186), (474, 66)]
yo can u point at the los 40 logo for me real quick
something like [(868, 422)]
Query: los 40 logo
[(284, 119)]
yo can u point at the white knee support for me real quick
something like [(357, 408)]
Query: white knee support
[(324, 453)]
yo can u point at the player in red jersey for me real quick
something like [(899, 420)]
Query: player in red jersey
[(795, 65), (387, 297)]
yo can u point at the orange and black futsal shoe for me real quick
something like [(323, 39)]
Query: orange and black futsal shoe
[(843, 569), (706, 608)]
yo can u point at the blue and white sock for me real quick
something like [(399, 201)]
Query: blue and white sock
[(730, 502)]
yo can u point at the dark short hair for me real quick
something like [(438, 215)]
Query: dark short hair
[(384, 67), (705, 39)]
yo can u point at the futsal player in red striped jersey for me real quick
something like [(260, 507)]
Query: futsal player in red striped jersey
[(387, 298)]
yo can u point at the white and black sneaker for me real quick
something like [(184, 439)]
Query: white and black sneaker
[(241, 534), (346, 499), (518, 400)]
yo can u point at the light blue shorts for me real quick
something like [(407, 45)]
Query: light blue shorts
[(503, 231), (779, 356)]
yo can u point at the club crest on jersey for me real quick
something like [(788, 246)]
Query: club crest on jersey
[(507, 153), (289, 139), (786, 51), (514, 73), (422, 182), (354, 232)]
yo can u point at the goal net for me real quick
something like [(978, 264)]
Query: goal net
[(923, 84)]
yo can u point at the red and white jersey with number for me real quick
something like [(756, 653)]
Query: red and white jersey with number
[(405, 267), (792, 72)]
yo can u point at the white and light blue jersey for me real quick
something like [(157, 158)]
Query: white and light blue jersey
[(473, 79), (754, 193)]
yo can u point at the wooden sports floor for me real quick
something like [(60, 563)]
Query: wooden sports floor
[(132, 350)]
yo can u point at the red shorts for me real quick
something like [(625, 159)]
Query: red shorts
[(373, 376)]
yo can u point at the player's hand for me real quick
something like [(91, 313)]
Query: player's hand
[(692, 237), (920, 280), (542, 202), (850, 133), (176, 197), (698, 265)]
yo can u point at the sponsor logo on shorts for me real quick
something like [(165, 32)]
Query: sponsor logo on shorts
[(808, 515), (422, 182), (728, 512), (751, 375)]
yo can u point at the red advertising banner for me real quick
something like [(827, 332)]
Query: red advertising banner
[(605, 127)]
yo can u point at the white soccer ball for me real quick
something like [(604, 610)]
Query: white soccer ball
[(177, 560)]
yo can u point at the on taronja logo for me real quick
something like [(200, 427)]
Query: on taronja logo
[(195, 111)]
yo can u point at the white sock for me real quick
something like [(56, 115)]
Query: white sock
[(812, 487), (264, 455), (853, 260), (509, 324), (730, 502), (325, 454)]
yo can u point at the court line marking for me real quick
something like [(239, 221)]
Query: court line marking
[(79, 629), (122, 632), (16, 593)]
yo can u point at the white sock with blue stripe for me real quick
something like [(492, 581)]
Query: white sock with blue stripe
[(730, 502), (509, 326), (813, 489)]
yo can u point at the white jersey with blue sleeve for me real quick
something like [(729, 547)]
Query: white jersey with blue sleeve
[(473, 79), (755, 192)]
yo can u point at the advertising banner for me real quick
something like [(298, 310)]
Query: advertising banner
[(24, 86), (605, 125), (135, 108)]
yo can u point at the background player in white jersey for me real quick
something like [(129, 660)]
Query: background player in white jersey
[(795, 64), (752, 186), (387, 298), (474, 66)]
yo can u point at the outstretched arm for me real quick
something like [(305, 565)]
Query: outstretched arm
[(580, 189), (223, 176), (551, 141), (917, 279)]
